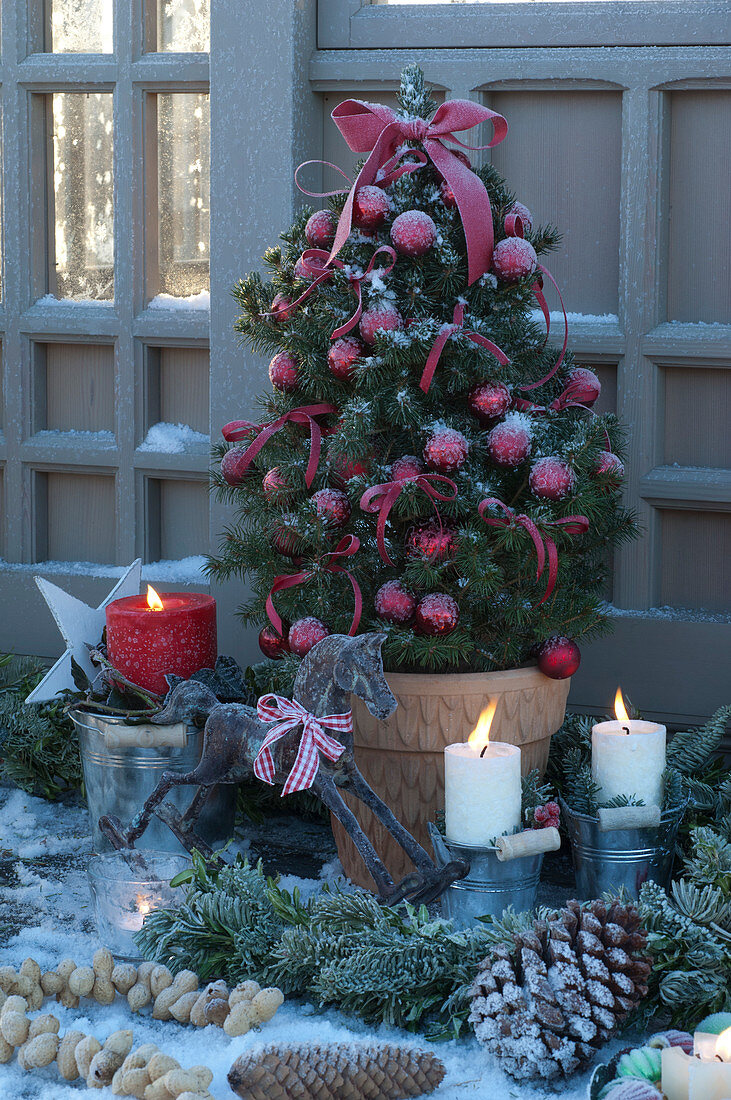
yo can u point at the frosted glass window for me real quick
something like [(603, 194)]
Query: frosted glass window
[(83, 194), (183, 26), (82, 26), (183, 138)]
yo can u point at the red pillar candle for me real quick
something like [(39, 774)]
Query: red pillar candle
[(147, 639)]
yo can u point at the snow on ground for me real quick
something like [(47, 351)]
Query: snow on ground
[(174, 439), (45, 913), (202, 300)]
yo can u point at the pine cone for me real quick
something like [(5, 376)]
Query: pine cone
[(546, 1005), (341, 1071)]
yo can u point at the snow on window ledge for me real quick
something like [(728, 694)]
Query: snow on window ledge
[(49, 301), (200, 301), (188, 570), (577, 318), (174, 439)]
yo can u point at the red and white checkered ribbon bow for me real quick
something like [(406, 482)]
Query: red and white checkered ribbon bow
[(288, 713)]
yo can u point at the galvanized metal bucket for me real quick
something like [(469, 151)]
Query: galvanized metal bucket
[(490, 886), (120, 774), (607, 861)]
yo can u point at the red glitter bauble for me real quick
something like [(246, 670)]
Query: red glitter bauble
[(333, 506), (447, 195), (608, 464), (489, 400), (413, 233), (272, 644), (558, 657), (370, 207), (509, 442), (343, 355), (346, 468), (406, 466), (280, 307), (301, 272), (232, 466), (524, 214), (283, 372), (585, 385), (446, 450), (551, 478), (436, 614), (320, 229), (394, 604), (379, 317), (286, 539), (275, 487), (431, 542), (513, 259), (306, 633)]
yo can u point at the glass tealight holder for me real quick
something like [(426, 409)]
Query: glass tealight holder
[(125, 888)]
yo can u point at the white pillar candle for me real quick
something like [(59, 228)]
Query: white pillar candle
[(631, 763), (709, 1080), (482, 791), (675, 1073)]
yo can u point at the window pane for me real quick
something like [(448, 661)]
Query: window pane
[(183, 26), (183, 132), (82, 26), (83, 188)]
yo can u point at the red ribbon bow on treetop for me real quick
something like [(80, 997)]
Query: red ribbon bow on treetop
[(544, 544), (304, 415), (346, 548), (377, 130), (445, 333), (319, 264), (288, 714), (381, 499)]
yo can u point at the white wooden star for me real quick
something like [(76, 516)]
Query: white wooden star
[(79, 624)]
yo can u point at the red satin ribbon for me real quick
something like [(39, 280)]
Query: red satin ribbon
[(381, 499), (544, 544), (303, 415), (239, 429), (448, 331), (377, 130), (320, 266), (346, 548)]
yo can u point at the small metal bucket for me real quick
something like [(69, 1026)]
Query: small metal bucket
[(118, 777), (490, 886), (606, 861)]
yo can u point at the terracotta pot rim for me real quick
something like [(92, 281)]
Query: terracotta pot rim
[(445, 683)]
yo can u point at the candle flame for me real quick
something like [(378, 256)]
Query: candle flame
[(153, 600), (723, 1045), (619, 708), (143, 905), (480, 735)]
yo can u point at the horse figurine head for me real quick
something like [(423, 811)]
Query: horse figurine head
[(339, 666)]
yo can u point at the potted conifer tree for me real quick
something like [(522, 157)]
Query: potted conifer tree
[(422, 448)]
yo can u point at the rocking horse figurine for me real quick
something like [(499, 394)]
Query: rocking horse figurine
[(291, 748)]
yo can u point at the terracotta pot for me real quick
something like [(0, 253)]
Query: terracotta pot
[(403, 757)]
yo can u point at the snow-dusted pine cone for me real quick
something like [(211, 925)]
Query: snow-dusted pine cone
[(545, 1005)]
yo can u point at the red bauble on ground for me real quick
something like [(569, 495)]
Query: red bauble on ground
[(283, 372), (320, 229), (509, 443), (489, 400), (413, 233), (384, 317), (446, 450), (343, 355), (306, 633), (394, 604), (280, 307), (275, 487), (346, 468), (551, 478), (608, 464), (436, 615), (558, 657), (273, 645), (513, 259), (431, 542), (232, 467), (447, 195), (333, 506), (370, 207), (286, 539), (524, 214), (585, 385), (406, 466)]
